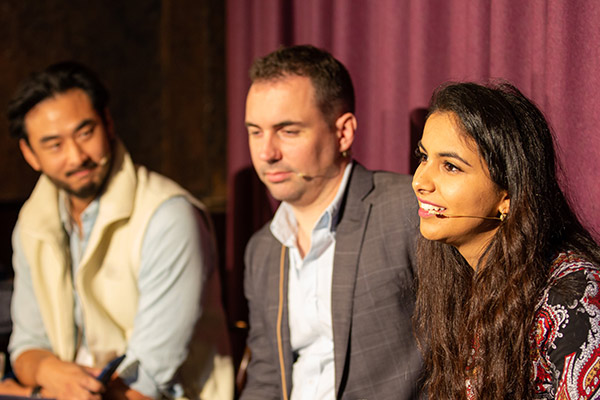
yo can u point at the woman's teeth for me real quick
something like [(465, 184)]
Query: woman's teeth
[(431, 209)]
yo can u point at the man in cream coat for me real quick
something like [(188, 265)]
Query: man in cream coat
[(109, 259)]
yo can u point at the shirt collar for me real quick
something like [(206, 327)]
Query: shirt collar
[(284, 226), (64, 211)]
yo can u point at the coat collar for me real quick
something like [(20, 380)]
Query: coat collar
[(40, 217), (43, 218), (350, 232)]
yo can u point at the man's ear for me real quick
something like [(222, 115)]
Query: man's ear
[(29, 155), (345, 126)]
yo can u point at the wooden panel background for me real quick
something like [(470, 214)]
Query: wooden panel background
[(164, 64)]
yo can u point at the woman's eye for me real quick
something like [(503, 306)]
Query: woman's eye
[(451, 167)]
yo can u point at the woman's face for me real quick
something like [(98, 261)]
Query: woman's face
[(454, 189)]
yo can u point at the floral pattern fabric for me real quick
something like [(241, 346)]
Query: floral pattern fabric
[(566, 334)]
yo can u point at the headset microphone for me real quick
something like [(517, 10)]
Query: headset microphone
[(306, 176), (442, 215), (311, 177)]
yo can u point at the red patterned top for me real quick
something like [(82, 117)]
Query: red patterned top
[(567, 332), (566, 354)]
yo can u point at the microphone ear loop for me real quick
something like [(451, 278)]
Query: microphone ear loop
[(503, 216)]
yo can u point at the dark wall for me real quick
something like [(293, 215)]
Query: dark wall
[(164, 64)]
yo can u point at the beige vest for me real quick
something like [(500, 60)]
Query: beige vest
[(107, 275)]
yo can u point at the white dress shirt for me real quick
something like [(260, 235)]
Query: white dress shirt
[(309, 299)]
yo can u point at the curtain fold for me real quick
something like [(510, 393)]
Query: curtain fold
[(397, 52)]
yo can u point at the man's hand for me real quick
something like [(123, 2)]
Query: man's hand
[(58, 379), (10, 387), (118, 390), (66, 381)]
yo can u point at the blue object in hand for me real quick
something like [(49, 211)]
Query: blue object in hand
[(110, 369)]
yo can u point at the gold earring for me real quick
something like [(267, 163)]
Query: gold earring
[(344, 153), (502, 216)]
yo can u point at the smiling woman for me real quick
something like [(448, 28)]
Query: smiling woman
[(508, 279), (453, 181)]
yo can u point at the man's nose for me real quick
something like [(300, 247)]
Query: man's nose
[(74, 153), (269, 150)]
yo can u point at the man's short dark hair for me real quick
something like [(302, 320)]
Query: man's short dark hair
[(331, 80), (56, 79)]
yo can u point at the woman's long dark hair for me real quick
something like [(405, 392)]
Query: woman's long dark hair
[(492, 309)]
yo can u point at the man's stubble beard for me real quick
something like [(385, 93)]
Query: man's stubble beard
[(92, 189)]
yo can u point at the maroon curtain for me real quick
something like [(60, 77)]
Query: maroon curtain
[(397, 52)]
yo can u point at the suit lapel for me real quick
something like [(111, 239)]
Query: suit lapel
[(349, 239)]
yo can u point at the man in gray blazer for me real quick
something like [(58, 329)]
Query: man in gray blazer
[(329, 281)]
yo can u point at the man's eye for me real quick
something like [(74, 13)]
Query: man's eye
[(52, 146), (85, 134)]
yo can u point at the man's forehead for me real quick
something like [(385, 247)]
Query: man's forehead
[(291, 82), (296, 91), (63, 111)]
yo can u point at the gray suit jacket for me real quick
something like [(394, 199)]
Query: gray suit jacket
[(372, 296)]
